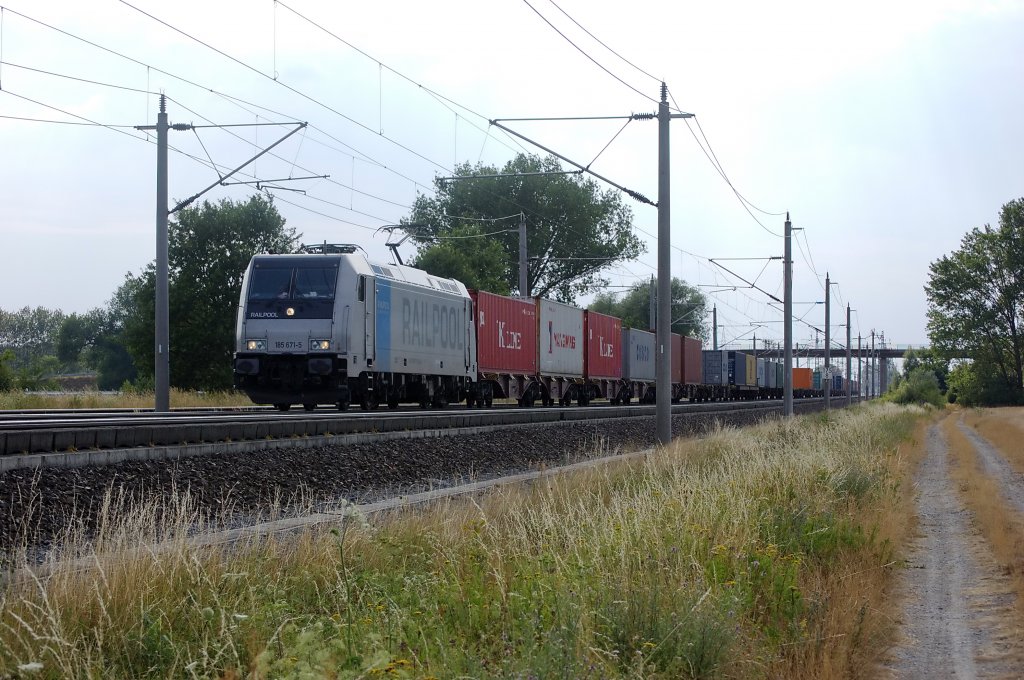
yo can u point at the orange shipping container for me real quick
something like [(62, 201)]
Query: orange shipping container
[(802, 378)]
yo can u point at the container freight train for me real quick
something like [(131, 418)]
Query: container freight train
[(327, 325), (807, 383)]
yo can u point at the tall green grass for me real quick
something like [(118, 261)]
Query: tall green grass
[(731, 556)]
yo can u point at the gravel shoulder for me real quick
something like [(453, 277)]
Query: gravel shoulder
[(960, 618), (247, 488)]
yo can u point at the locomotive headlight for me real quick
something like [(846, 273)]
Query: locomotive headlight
[(256, 345), (290, 311), (319, 344)]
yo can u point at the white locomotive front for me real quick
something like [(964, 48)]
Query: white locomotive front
[(326, 325)]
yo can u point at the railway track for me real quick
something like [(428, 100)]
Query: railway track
[(42, 494), (73, 439)]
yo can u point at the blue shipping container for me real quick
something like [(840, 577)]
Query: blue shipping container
[(738, 368), (716, 366)]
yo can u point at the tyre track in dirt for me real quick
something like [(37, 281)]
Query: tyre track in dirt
[(1010, 482), (959, 617)]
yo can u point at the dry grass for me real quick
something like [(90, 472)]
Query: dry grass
[(1004, 429), (761, 552), (20, 401), (1000, 524), (877, 591)]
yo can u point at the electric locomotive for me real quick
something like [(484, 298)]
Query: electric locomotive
[(327, 325)]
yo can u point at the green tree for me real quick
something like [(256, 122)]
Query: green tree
[(38, 373), (29, 333), (976, 300), (209, 248), (459, 254), (926, 358), (964, 386), (6, 373), (689, 307), (574, 230), (95, 340), (919, 387)]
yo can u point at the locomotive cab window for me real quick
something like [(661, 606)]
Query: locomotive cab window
[(292, 290), (317, 283), (302, 283), (270, 284)]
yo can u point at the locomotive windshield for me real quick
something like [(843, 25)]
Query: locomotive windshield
[(292, 288), (298, 283)]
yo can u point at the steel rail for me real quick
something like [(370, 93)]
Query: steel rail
[(152, 437)]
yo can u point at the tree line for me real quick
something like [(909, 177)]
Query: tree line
[(575, 232), (209, 247), (976, 309)]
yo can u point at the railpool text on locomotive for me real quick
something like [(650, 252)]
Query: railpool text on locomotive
[(432, 325)]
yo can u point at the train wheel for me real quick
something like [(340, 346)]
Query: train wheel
[(309, 407), (342, 405), (283, 407)]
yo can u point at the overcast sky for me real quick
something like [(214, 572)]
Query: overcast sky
[(887, 129)]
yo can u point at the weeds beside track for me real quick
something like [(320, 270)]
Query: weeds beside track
[(754, 552)]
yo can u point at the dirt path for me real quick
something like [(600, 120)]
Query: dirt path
[(959, 618), (1009, 481)]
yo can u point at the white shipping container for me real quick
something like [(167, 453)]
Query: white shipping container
[(560, 341), (638, 359)]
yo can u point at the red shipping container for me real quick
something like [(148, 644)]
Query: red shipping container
[(677, 353), (506, 334), (690, 362), (603, 358)]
